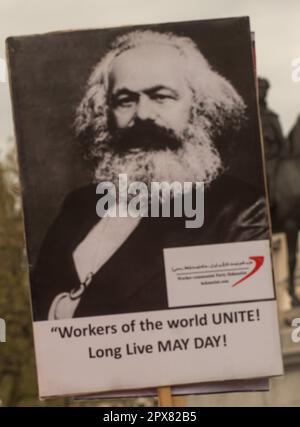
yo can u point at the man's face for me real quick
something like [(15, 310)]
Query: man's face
[(147, 84), (151, 133)]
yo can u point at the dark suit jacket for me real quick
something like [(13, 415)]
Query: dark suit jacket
[(133, 279)]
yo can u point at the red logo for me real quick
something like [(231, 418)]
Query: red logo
[(258, 260)]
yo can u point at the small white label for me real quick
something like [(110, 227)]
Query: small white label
[(221, 273)]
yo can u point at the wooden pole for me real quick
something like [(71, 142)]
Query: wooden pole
[(179, 401), (165, 396)]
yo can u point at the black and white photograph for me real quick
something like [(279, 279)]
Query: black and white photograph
[(149, 203), (146, 210), (159, 103)]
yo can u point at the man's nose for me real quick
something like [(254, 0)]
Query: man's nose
[(145, 109)]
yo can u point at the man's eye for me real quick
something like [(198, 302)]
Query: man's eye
[(160, 97), (124, 102)]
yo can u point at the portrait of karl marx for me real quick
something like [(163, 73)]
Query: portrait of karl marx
[(154, 109)]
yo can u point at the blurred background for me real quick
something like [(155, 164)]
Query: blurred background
[(277, 36)]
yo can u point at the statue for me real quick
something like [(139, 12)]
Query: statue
[(283, 175), (274, 142)]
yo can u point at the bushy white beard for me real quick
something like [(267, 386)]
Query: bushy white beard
[(196, 160)]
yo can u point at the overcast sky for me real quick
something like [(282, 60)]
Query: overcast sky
[(276, 24)]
